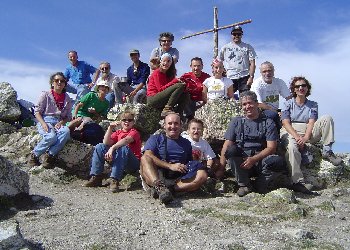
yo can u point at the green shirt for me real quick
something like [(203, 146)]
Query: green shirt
[(91, 100)]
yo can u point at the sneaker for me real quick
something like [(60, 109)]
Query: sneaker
[(151, 191), (244, 190), (33, 160), (48, 161), (95, 181), (113, 185), (331, 157), (301, 187), (163, 192)]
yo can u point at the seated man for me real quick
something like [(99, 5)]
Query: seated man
[(170, 155), (165, 42), (268, 89), (250, 145)]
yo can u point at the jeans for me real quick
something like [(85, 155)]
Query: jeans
[(79, 89), (53, 140), (123, 159), (123, 87)]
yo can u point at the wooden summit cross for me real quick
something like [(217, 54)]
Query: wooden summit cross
[(216, 29)]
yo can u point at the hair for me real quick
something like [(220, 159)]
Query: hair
[(173, 113), (73, 51), (197, 59), (58, 74), (127, 113), (267, 63), (171, 72), (299, 78), (166, 34), (107, 63), (195, 120), (248, 94)]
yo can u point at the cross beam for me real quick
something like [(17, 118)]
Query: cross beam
[(216, 29)]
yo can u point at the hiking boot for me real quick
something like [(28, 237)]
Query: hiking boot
[(332, 158), (302, 187), (33, 160), (95, 181), (165, 111), (163, 192), (244, 190), (113, 185), (151, 191), (48, 161)]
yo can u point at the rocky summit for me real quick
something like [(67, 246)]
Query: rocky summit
[(49, 209)]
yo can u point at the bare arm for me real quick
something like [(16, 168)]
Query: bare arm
[(309, 127), (40, 119), (163, 164), (205, 94), (251, 72), (230, 92), (265, 106), (76, 109)]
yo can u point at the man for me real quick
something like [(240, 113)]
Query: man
[(79, 72), (170, 155), (111, 79), (196, 78), (137, 74), (268, 89), (165, 41), (250, 145), (239, 61)]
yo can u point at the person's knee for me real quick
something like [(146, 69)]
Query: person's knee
[(233, 151)]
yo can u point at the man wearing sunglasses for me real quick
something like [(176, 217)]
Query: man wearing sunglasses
[(165, 41), (239, 61)]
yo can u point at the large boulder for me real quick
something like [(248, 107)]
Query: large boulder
[(9, 108), (13, 180), (10, 236)]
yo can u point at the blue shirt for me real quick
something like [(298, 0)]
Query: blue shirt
[(140, 76), (177, 150), (295, 113), (80, 74)]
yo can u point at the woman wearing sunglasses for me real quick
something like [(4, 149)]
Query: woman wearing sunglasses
[(121, 148), (301, 125), (52, 112)]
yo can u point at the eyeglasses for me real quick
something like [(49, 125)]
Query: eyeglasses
[(301, 85), (104, 68), (236, 34), (166, 41), (127, 120), (59, 80)]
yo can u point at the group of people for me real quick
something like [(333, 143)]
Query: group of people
[(176, 161)]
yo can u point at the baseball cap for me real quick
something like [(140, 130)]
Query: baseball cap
[(134, 51), (237, 29)]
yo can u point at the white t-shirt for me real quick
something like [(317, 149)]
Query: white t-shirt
[(217, 88), (269, 93), (202, 145)]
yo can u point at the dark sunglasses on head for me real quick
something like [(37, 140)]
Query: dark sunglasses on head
[(301, 85), (127, 120)]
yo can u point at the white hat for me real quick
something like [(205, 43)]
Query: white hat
[(102, 83)]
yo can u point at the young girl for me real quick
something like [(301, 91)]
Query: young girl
[(52, 112), (217, 86), (121, 148)]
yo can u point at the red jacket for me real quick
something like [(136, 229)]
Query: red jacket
[(194, 87), (158, 81)]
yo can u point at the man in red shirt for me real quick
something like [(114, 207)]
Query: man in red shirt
[(121, 148), (194, 81)]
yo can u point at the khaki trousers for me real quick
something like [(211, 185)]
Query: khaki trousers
[(323, 131)]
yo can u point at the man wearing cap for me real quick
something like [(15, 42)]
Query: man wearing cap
[(167, 163), (165, 41), (79, 73), (239, 61)]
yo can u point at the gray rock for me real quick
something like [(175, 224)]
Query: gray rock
[(6, 128), (300, 234), (10, 235), (9, 108), (13, 180)]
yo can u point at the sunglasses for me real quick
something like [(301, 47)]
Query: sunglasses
[(127, 120), (166, 41), (105, 68), (236, 34), (59, 81), (301, 85)]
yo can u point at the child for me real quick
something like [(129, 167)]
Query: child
[(217, 86), (201, 149), (52, 112), (91, 107), (121, 148)]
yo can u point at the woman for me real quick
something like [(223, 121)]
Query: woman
[(301, 125), (52, 112), (121, 148), (217, 86), (164, 90)]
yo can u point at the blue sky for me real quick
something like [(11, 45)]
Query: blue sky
[(310, 38)]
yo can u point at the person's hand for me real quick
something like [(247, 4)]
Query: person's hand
[(109, 154), (92, 110), (45, 127), (178, 167), (90, 85), (250, 81), (114, 125), (248, 163), (58, 125)]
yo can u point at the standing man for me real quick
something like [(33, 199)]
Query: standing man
[(197, 77), (268, 89), (170, 155), (250, 147), (239, 61), (165, 41), (79, 72)]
